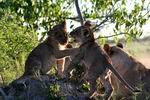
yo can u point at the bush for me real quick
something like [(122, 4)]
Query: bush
[(16, 41)]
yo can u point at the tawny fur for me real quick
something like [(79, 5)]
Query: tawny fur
[(132, 70), (46, 54), (94, 58)]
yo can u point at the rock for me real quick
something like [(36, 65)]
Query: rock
[(45, 88)]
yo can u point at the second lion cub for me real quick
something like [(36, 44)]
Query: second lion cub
[(94, 58)]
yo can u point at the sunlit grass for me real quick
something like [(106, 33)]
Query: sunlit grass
[(139, 49)]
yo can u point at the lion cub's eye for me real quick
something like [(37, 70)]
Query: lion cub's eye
[(59, 35), (112, 52), (86, 33)]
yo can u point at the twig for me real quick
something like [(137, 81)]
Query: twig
[(73, 18), (106, 36), (105, 20), (110, 36), (146, 13), (147, 9), (2, 78)]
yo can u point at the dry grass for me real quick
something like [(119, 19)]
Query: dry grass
[(141, 51)]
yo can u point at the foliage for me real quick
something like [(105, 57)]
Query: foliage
[(46, 13), (15, 42), (78, 72), (126, 19), (85, 87), (37, 13), (53, 92)]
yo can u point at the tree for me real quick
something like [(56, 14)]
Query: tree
[(46, 13)]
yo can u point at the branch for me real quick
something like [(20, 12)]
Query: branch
[(77, 18), (100, 27), (111, 36), (97, 26), (108, 15), (147, 9), (146, 13), (42, 38), (73, 18), (78, 11), (106, 36)]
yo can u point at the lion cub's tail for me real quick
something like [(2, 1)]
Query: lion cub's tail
[(122, 79)]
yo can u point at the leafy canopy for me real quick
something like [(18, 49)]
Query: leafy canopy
[(128, 16)]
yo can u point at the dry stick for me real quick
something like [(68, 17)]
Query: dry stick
[(2, 79)]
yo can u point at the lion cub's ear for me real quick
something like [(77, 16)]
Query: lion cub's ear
[(107, 48), (119, 45), (88, 24), (63, 24)]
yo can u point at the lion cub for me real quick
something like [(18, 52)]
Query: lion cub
[(46, 54), (130, 68), (94, 58)]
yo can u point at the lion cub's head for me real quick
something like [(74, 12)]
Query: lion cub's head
[(82, 34), (120, 58), (117, 54), (59, 33), (114, 50)]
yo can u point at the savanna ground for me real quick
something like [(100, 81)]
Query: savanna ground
[(140, 49)]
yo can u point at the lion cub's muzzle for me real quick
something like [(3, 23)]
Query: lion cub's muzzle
[(63, 41)]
